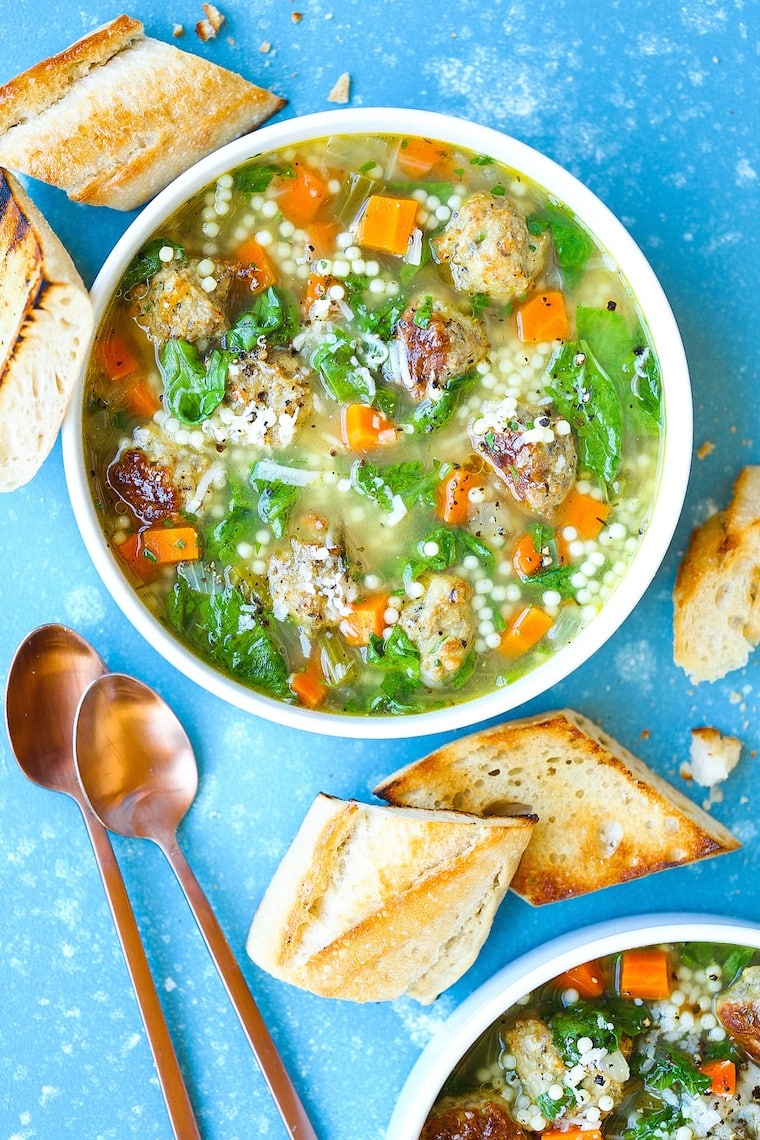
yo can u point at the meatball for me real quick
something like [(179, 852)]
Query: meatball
[(531, 450), (309, 583), (175, 305), (739, 1011), (475, 1117), (158, 479), (436, 344), (440, 624), (489, 249), (271, 388)]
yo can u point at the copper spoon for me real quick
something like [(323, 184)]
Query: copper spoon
[(50, 670), (138, 770)]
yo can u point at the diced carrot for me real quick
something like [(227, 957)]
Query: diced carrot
[(572, 1134), (164, 544), (387, 223), (321, 237), (418, 156), (301, 197), (524, 630), (364, 427), (366, 617), (317, 287), (525, 558), (723, 1076), (117, 358), (583, 513), (451, 501), (141, 399), (645, 974), (252, 253), (308, 685), (542, 317), (587, 979), (129, 550)]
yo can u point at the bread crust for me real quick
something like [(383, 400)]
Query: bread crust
[(372, 902), (604, 817), (115, 117), (716, 596), (46, 322)]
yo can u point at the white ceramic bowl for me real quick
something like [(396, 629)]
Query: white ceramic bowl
[(677, 402), (534, 969)]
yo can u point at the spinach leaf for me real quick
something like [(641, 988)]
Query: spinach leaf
[(397, 653), (257, 176), (222, 543), (624, 356), (604, 1024), (654, 1125), (227, 631), (731, 959), (193, 390), (551, 1108), (552, 578), (584, 394), (431, 415), (146, 262), (345, 379), (424, 313), (273, 317), (669, 1067), (453, 544), (573, 246), (376, 319), (397, 696), (408, 480), (276, 500)]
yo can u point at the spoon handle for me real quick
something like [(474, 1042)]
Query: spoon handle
[(274, 1072), (170, 1077)]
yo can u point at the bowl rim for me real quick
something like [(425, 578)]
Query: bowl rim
[(485, 1004), (676, 453)]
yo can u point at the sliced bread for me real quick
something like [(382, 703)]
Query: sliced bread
[(603, 816), (45, 327), (371, 902), (116, 116), (716, 597)]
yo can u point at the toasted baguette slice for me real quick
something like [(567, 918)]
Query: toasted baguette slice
[(116, 116), (603, 816), (372, 902), (716, 597), (45, 327)]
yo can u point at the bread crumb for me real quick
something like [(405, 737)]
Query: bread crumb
[(341, 92), (705, 449), (178, 30), (645, 733), (296, 17), (265, 47), (712, 758), (208, 29)]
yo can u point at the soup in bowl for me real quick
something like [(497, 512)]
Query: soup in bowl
[(640, 1030), (376, 421)]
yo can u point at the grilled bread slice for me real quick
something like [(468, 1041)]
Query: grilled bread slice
[(116, 116), (371, 902), (716, 597), (45, 327), (603, 816)]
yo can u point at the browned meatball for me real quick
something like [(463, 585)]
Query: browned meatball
[(175, 305), (440, 624), (528, 450), (739, 1011), (272, 388), (148, 488), (437, 343), (488, 248), (309, 583), (471, 1118)]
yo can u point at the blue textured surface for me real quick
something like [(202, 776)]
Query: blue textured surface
[(655, 106)]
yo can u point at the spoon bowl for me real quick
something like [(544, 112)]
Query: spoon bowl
[(138, 771)]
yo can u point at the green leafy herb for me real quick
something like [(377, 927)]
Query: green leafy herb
[(479, 302), (423, 314), (193, 391), (498, 190), (227, 630), (345, 379), (482, 160), (146, 262), (584, 394), (376, 319), (551, 1108), (397, 653), (573, 246), (398, 696), (731, 959), (452, 544), (257, 176), (276, 500), (670, 1068), (625, 357), (603, 1024), (408, 480), (553, 578), (656, 1125), (222, 543), (273, 317), (431, 415)]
